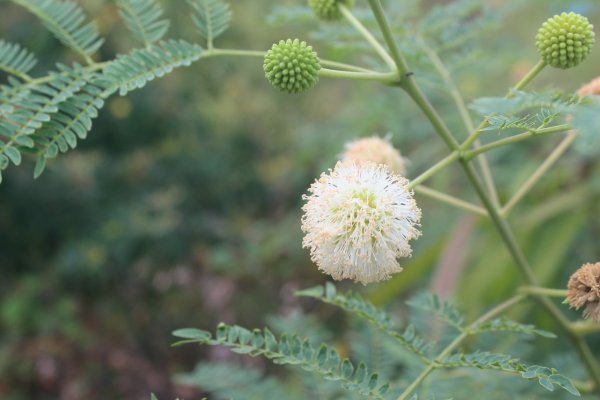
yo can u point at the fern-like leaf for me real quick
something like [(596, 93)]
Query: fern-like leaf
[(521, 101), (31, 107), (444, 310), (547, 377), (356, 305), (16, 60), (135, 70), (291, 350), (507, 325), (71, 122), (212, 18), (66, 20), (143, 19)]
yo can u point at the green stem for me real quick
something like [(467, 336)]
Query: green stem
[(414, 91), (371, 76), (501, 224), (505, 231), (451, 200), (461, 105), (583, 328), (519, 86), (500, 308), (469, 155), (355, 22), (48, 78), (539, 173), (388, 35), (434, 170), (261, 54), (22, 75), (561, 293)]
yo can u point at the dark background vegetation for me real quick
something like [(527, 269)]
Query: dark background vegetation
[(183, 206)]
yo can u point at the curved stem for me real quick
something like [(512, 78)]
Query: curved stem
[(372, 76), (500, 308), (434, 170), (469, 155), (539, 173), (451, 200), (368, 36), (561, 293), (582, 328), (388, 35), (501, 224), (461, 105), (260, 54)]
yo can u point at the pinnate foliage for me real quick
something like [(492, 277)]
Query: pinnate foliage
[(547, 377), (357, 306), (444, 310), (66, 20), (212, 18), (29, 108), (48, 116), (507, 325), (324, 361), (15, 60), (143, 18), (71, 122), (136, 69)]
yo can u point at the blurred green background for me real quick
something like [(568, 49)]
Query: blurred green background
[(183, 206)]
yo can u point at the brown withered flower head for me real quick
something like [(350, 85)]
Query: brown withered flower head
[(584, 290)]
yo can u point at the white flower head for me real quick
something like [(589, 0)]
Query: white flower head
[(377, 150), (358, 220)]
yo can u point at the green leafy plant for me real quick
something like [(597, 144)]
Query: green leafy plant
[(360, 217)]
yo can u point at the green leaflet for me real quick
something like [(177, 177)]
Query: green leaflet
[(324, 361), (66, 20), (357, 306), (136, 69), (547, 377), (28, 108), (15, 60), (212, 18), (143, 19)]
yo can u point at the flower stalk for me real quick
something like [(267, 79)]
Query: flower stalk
[(502, 226)]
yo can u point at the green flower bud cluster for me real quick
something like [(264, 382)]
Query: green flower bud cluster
[(328, 10), (565, 40), (292, 66)]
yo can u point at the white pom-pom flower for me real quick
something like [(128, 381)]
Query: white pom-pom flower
[(358, 220)]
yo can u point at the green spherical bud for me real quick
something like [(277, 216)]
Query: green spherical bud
[(565, 40), (329, 10), (292, 66)]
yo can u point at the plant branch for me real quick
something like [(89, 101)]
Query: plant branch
[(434, 170), (539, 173), (469, 155), (451, 200), (499, 309), (501, 224), (388, 35), (561, 293), (372, 76), (519, 86), (355, 22), (261, 54), (461, 105)]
